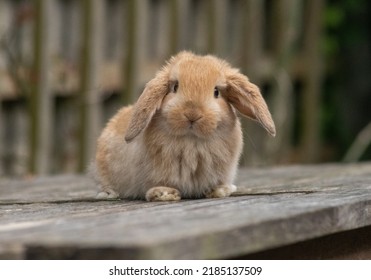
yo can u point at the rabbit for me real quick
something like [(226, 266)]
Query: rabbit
[(182, 138)]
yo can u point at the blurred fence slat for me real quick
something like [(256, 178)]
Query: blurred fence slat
[(311, 96), (287, 20), (41, 97), (89, 101), (217, 27), (90, 57), (174, 31), (250, 53), (135, 26), (17, 153), (1, 140)]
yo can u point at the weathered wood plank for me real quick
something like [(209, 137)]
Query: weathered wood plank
[(53, 189), (348, 245), (57, 217)]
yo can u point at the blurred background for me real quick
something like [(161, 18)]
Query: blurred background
[(66, 66)]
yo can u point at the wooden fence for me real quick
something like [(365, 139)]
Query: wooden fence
[(66, 66)]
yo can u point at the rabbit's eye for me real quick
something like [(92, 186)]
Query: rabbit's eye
[(174, 87), (216, 92)]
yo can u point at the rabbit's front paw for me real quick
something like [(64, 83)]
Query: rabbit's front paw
[(107, 195), (162, 194), (221, 191)]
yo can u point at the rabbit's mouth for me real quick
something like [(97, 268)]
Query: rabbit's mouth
[(199, 127), (189, 119)]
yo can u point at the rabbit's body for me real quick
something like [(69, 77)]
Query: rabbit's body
[(183, 137), (192, 166)]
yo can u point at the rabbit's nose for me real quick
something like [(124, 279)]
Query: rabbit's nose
[(192, 117)]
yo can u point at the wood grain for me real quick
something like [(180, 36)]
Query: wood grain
[(58, 218)]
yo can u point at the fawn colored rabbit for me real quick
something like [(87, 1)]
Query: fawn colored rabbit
[(182, 138)]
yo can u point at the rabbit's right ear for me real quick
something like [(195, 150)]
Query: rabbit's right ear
[(147, 104)]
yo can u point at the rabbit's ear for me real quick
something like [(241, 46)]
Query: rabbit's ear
[(149, 101), (246, 98)]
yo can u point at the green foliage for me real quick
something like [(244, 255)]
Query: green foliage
[(346, 85), (333, 19)]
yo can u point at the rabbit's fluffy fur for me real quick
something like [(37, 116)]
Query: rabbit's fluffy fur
[(182, 138)]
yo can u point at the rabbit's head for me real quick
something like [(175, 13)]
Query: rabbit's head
[(197, 96)]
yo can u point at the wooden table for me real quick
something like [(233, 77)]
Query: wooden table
[(290, 212)]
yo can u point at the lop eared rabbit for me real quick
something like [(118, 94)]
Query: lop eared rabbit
[(182, 138)]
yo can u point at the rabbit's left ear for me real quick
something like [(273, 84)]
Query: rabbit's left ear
[(149, 101), (246, 98)]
